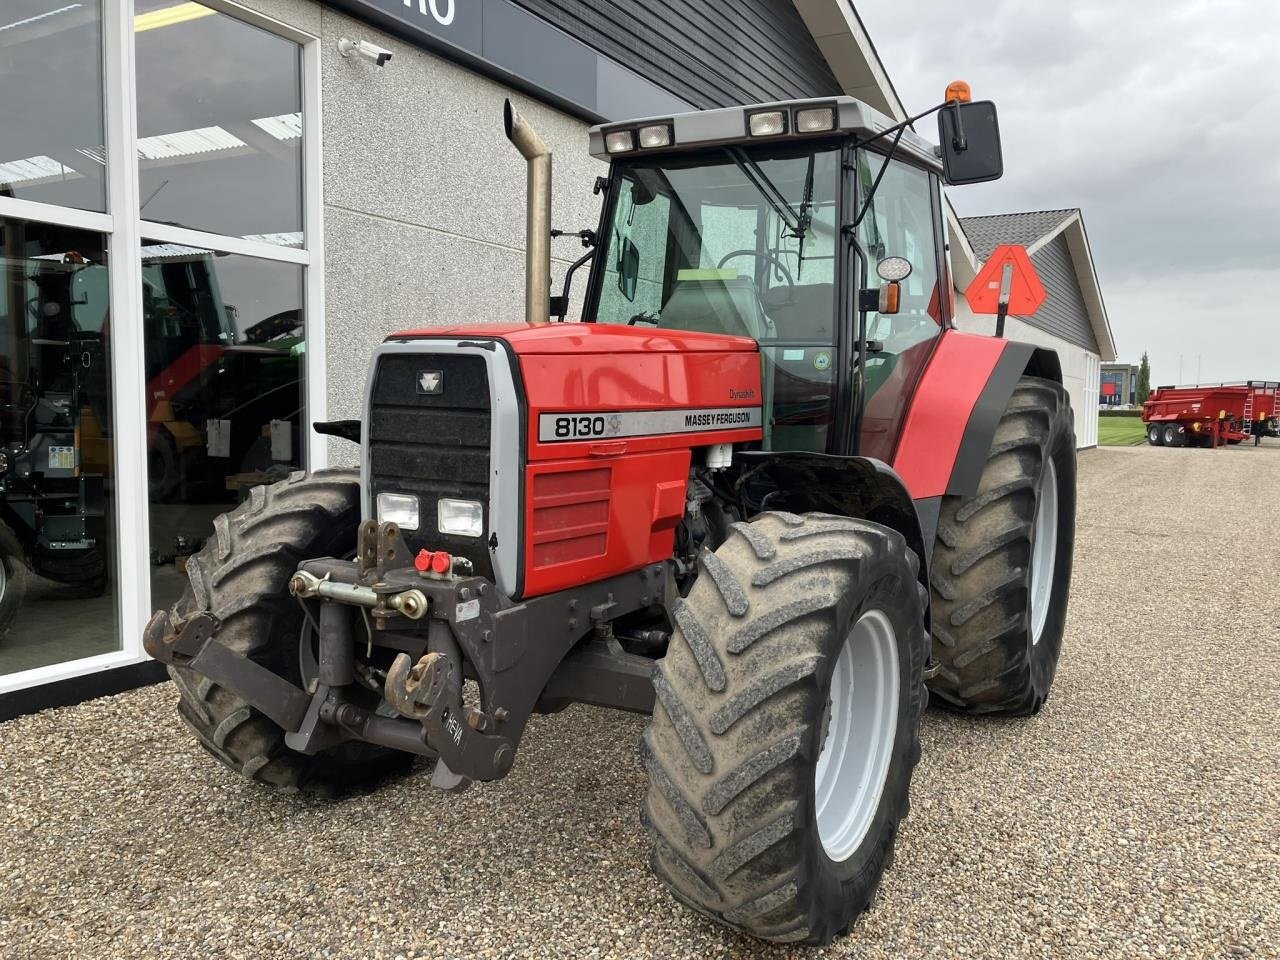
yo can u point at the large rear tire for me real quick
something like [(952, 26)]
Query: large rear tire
[(241, 577), (781, 748), (1001, 568), (13, 578), (1153, 434)]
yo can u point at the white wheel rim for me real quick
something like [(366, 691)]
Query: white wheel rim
[(1044, 550), (4, 579), (861, 728)]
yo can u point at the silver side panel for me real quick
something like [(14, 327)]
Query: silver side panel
[(504, 446)]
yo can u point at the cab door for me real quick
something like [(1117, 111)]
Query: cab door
[(899, 221)]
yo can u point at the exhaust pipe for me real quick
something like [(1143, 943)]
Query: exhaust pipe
[(537, 257)]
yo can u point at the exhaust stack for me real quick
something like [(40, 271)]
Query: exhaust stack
[(537, 267)]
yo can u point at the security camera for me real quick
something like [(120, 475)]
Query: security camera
[(363, 48)]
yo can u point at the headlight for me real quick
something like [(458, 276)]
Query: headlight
[(398, 508), (815, 120), (464, 518), (768, 124), (620, 141), (658, 135)]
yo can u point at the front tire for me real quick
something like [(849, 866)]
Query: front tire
[(1001, 568), (241, 576), (1153, 434), (781, 749), (13, 578)]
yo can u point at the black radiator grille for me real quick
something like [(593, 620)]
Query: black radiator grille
[(432, 445)]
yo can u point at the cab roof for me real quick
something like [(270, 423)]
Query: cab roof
[(728, 126)]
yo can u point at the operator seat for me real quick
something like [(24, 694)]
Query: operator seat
[(720, 301), (709, 301)]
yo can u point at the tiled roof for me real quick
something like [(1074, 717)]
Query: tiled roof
[(987, 233)]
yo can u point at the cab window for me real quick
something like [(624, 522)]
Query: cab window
[(897, 222)]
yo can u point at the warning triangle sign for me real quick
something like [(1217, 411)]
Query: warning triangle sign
[(1026, 292)]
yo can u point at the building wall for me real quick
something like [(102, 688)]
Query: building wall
[(711, 53), (1080, 368), (1063, 314)]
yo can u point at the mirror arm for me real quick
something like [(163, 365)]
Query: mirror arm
[(560, 304), (959, 141), (875, 184)]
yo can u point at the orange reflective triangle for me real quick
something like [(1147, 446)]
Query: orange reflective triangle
[(1026, 293)]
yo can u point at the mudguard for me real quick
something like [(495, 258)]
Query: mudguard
[(956, 408), (861, 487)]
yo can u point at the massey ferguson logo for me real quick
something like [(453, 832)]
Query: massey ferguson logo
[(431, 382)]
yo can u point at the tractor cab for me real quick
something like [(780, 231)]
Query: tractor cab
[(770, 222)]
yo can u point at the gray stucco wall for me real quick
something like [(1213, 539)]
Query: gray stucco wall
[(1063, 314), (424, 198)]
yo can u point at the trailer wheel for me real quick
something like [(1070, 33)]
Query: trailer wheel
[(241, 577), (13, 578), (1153, 434), (81, 575), (1002, 562), (781, 748), (1173, 436)]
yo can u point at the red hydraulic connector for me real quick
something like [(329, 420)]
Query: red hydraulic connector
[(436, 562)]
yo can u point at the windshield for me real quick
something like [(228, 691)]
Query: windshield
[(737, 242)]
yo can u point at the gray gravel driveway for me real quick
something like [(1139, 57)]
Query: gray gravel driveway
[(1138, 815)]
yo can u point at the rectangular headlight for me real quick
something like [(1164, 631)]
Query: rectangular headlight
[(463, 518), (768, 124), (658, 135), (620, 141), (815, 120), (398, 508)]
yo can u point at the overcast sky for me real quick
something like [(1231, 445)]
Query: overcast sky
[(1159, 121)]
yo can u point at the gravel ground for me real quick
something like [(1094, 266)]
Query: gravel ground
[(1138, 815)]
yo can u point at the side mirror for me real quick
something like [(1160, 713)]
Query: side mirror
[(628, 268), (969, 135)]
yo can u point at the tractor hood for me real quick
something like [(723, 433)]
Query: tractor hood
[(561, 338)]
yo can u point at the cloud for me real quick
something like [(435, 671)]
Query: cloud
[(1157, 120)]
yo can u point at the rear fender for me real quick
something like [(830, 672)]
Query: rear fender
[(860, 487), (954, 413)]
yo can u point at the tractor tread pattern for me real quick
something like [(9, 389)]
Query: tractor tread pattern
[(730, 778), (980, 575), (240, 576)]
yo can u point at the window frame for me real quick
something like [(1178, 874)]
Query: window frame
[(124, 230)]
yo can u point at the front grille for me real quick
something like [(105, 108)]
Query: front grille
[(432, 445)]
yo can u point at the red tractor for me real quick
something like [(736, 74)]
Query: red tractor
[(764, 492)]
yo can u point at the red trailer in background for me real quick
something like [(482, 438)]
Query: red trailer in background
[(1207, 415)]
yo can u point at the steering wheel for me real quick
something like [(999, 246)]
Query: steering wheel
[(768, 258)]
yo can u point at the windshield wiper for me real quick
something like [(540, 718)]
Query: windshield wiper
[(806, 215), (751, 170)]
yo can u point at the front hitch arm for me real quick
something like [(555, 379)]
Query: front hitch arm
[(190, 643)]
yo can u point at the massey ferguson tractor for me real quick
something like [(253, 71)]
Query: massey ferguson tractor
[(763, 492)]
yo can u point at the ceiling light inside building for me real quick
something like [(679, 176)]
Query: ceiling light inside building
[(287, 126), (40, 16), (168, 16), (187, 143), (33, 169)]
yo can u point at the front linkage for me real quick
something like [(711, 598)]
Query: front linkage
[(447, 626)]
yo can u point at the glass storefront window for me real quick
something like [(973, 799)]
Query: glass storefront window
[(57, 536), (51, 133), (219, 123), (224, 371)]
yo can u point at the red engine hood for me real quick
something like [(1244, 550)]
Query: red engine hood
[(560, 338)]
